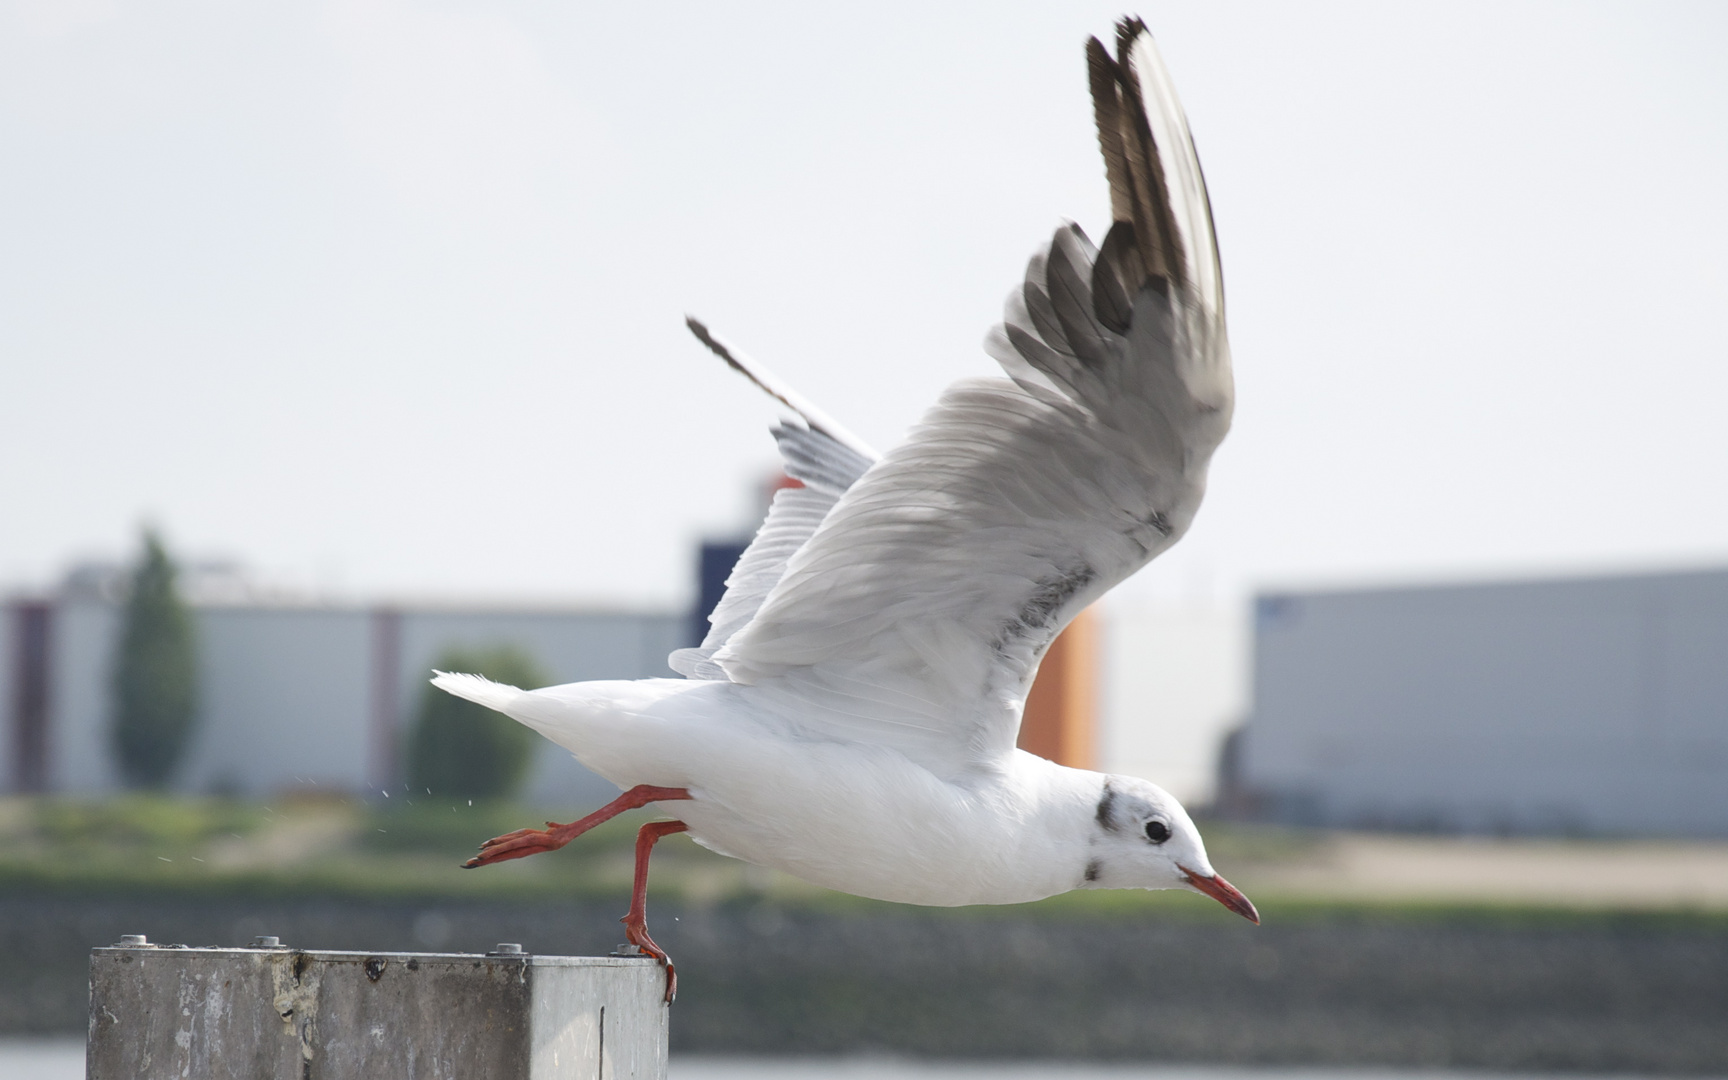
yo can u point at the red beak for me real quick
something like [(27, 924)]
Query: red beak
[(1223, 892)]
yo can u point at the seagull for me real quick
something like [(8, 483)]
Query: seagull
[(851, 716)]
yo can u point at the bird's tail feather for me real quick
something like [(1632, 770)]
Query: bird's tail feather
[(478, 689)]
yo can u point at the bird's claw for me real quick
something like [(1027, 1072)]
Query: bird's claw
[(637, 934), (519, 844)]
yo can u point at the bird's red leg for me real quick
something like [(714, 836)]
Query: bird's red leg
[(525, 842), (636, 922)]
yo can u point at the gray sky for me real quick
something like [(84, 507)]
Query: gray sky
[(387, 296)]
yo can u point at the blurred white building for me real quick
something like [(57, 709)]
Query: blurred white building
[(292, 695), (1595, 706)]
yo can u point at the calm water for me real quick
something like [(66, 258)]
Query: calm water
[(63, 1059)]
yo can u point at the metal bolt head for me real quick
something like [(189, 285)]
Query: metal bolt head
[(132, 941), (507, 948), (266, 941)]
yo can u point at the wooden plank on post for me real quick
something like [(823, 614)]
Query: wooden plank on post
[(272, 1013)]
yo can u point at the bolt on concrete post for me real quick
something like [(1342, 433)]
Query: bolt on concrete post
[(274, 1013)]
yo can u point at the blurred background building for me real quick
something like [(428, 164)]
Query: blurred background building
[(1589, 706), (301, 694), (1594, 706), (293, 694)]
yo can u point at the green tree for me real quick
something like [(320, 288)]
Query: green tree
[(463, 750), (155, 673)]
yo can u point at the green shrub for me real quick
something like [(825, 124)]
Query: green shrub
[(462, 750), (155, 674)]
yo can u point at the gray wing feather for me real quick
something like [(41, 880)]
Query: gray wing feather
[(819, 460), (792, 517), (916, 615)]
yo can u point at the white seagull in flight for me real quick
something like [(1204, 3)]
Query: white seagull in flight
[(851, 716)]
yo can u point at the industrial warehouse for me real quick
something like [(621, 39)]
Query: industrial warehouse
[(1587, 706)]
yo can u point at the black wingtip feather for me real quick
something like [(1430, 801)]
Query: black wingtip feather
[(1128, 28), (696, 327), (1138, 192), (1103, 74), (1117, 275)]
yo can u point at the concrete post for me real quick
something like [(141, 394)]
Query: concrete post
[(273, 1013)]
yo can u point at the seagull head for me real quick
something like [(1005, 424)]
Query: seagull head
[(1143, 839)]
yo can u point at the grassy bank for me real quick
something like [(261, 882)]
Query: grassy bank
[(411, 849), (303, 847)]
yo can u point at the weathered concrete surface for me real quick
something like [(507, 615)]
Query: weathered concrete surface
[(285, 1014), (1625, 996)]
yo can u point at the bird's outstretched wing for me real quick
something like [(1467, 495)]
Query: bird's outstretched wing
[(916, 614), (822, 456)]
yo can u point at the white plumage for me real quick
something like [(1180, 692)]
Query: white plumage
[(851, 716)]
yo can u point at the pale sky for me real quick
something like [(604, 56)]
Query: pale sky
[(387, 296)]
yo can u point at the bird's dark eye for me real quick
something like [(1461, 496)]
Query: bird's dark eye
[(1157, 832)]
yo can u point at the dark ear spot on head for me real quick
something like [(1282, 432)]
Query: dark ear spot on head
[(1107, 807)]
